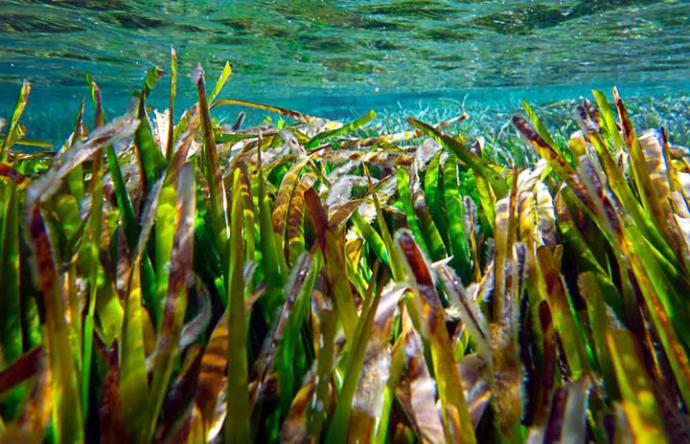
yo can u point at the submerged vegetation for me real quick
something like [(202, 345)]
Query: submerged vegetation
[(197, 281)]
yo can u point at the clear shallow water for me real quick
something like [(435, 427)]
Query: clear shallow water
[(339, 57)]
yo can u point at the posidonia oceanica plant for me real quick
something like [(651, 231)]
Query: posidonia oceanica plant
[(199, 281)]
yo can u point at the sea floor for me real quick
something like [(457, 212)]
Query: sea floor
[(490, 121)]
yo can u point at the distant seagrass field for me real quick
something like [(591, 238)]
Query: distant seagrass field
[(489, 111)]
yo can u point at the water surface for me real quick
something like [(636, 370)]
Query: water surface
[(336, 56)]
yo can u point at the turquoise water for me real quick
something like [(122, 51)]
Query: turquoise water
[(340, 57)]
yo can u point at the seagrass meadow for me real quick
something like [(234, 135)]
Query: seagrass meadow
[(307, 280)]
